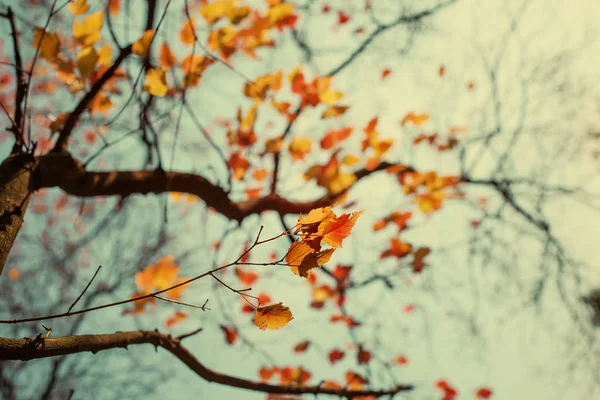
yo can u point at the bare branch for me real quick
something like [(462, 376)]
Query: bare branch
[(29, 349)]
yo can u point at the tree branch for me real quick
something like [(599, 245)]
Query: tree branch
[(65, 133), (80, 182), (39, 347)]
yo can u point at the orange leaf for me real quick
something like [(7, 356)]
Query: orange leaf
[(272, 317), (253, 193), (13, 274), (114, 6), (397, 249), (175, 319), (266, 373), (416, 119), (301, 258), (166, 59), (246, 278), (385, 73), (334, 232), (335, 355), (238, 164), (231, 334), (442, 70), (334, 137), (310, 224), (401, 360), (78, 7), (302, 347), (350, 322), (260, 173), (355, 381), (186, 34)]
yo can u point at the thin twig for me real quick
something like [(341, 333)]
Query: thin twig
[(86, 288), (202, 307), (187, 335)]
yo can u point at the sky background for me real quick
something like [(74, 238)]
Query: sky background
[(474, 322)]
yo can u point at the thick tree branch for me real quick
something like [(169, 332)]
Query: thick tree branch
[(79, 182), (29, 349)]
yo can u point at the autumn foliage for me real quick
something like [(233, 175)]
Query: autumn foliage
[(258, 167)]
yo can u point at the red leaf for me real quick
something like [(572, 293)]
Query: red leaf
[(363, 356), (231, 334), (326, 8), (351, 323), (343, 17), (385, 73), (408, 309), (335, 355), (483, 393)]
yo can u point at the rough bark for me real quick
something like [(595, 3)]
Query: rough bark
[(15, 187), (28, 349)]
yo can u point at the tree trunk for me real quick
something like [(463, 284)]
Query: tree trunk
[(15, 187)]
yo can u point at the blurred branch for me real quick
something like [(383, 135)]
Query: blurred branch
[(29, 349)]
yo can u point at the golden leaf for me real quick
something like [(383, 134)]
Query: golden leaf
[(272, 317), (156, 82), (78, 7), (142, 46), (86, 61), (87, 32)]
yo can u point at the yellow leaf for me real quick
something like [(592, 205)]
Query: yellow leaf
[(350, 160), (87, 32), (216, 10), (104, 55), (156, 82), (272, 317), (299, 147), (341, 182), (416, 119), (261, 85), (48, 43), (86, 61), (142, 46), (334, 112), (164, 273), (280, 12), (78, 7)]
